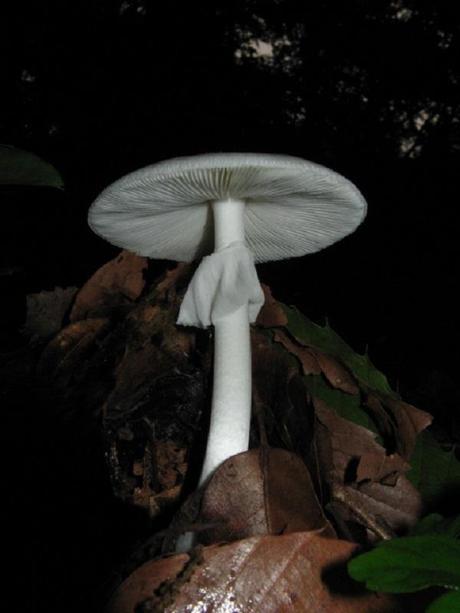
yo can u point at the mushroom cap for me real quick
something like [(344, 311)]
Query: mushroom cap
[(293, 206)]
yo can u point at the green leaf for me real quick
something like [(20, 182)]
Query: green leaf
[(447, 603), (437, 524), (325, 339), (433, 470), (18, 167), (345, 405), (409, 564)]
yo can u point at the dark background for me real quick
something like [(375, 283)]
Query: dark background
[(104, 87), (370, 89)]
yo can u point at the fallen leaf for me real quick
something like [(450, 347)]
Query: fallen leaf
[(153, 409), (409, 421), (170, 463), (306, 357), (400, 504), (291, 504), (326, 340), (115, 285), (261, 491), (172, 282), (280, 397), (67, 350), (380, 467), (337, 375), (346, 442), (295, 572), (46, 311), (385, 421), (141, 584), (398, 421), (397, 506), (271, 314)]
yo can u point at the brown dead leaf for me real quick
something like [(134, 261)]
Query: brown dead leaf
[(380, 467), (315, 362), (342, 442), (134, 374), (171, 282), (400, 505), (152, 411), (170, 464), (116, 284), (158, 348), (46, 311), (262, 491), (67, 350), (298, 572), (280, 397), (381, 417), (402, 421), (159, 474), (397, 506), (142, 583), (271, 314), (306, 356), (376, 489), (409, 420), (337, 375), (152, 321)]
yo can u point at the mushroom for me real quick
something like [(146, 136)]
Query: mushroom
[(240, 208)]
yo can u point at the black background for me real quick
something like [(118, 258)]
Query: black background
[(102, 88)]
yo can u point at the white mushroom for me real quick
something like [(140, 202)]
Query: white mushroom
[(241, 208)]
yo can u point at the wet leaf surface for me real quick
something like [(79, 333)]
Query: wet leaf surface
[(293, 572), (139, 586)]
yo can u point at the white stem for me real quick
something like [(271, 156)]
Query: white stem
[(231, 399)]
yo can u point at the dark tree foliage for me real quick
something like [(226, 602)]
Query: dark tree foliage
[(125, 83)]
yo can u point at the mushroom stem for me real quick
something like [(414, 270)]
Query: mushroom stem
[(231, 398)]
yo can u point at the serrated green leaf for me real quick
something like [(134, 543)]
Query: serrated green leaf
[(22, 168), (345, 405), (433, 470), (447, 603), (437, 524), (409, 564), (328, 341)]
